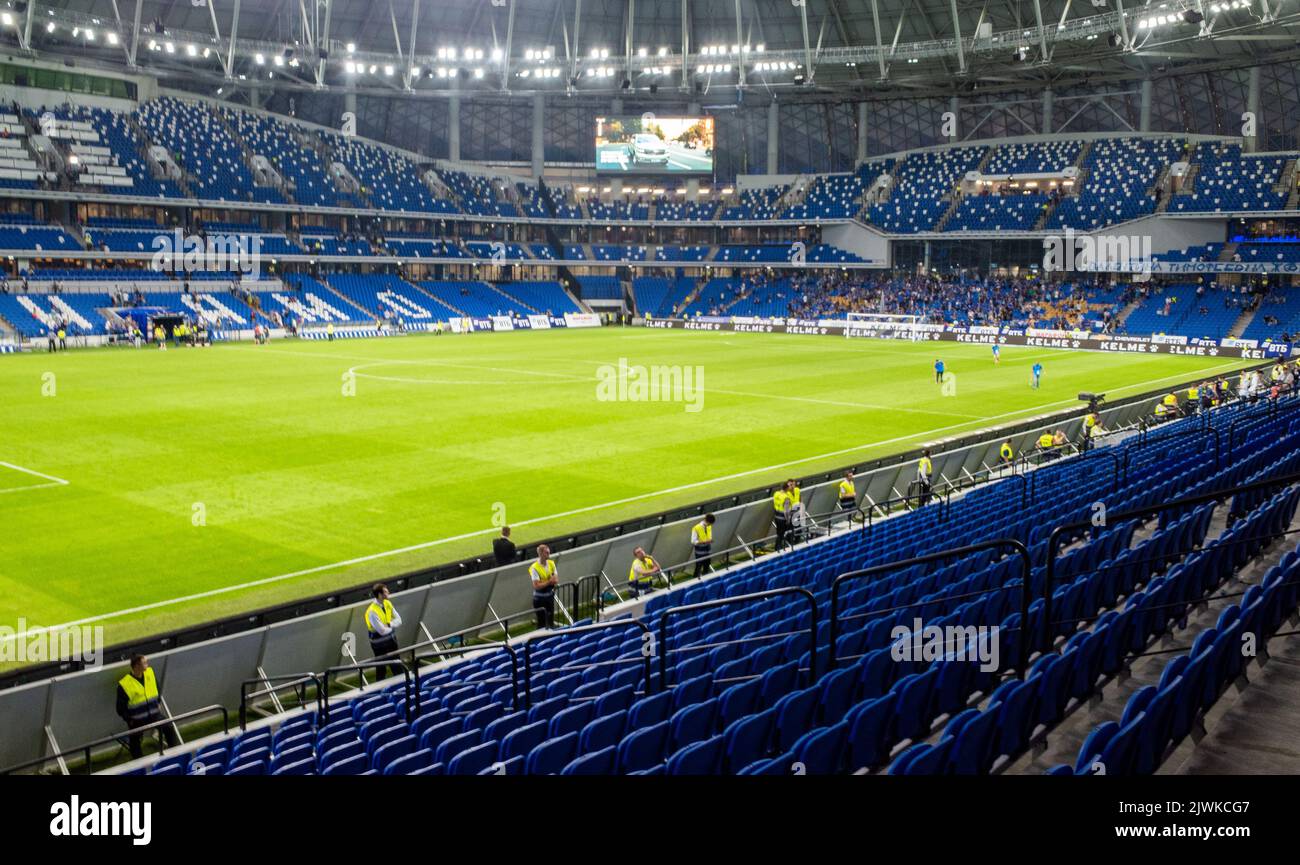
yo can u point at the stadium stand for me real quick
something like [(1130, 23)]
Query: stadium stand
[(922, 188), (746, 692), (542, 296), (475, 299), (1227, 180), (206, 149), (1119, 176)]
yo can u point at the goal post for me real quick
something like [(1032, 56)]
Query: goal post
[(884, 326)]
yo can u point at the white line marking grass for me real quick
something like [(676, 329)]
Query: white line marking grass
[(50, 480), (919, 436)]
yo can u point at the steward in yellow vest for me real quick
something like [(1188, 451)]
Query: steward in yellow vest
[(848, 493), (382, 622), (702, 543), (543, 576), (641, 576), (139, 703)]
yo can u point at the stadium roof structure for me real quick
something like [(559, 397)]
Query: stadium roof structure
[(829, 47)]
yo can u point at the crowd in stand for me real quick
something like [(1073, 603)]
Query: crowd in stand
[(962, 300)]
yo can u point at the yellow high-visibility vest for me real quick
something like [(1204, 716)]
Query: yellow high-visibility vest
[(384, 613), (1171, 400), (540, 573), (925, 466), (1193, 393), (848, 491), (1006, 451), (633, 577), (702, 534), (141, 697), (779, 500), (1045, 440)]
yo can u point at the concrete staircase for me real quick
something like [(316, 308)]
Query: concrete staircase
[(251, 159), (1126, 312), (1243, 321), (947, 214), (1253, 728), (1079, 181)]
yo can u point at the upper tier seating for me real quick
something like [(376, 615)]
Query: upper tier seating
[(1228, 180), (478, 195), (1117, 176), (17, 168), (1040, 157), (923, 183), (832, 196), (301, 167), (202, 143), (388, 180), (997, 212), (755, 204)]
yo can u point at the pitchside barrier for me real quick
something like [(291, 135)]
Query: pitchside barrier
[(1076, 340), (51, 714)]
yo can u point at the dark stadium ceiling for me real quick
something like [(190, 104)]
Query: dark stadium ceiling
[(839, 47)]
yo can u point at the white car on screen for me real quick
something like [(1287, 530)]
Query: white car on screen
[(647, 147)]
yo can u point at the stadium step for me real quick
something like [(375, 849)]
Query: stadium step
[(1127, 311), (1064, 741), (1256, 733), (1243, 321)]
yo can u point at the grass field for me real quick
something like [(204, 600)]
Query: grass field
[(152, 490)]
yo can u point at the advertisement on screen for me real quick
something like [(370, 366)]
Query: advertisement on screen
[(648, 144)]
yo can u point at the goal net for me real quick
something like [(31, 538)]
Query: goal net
[(884, 326)]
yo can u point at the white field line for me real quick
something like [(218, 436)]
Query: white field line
[(357, 371), (53, 481), (570, 513)]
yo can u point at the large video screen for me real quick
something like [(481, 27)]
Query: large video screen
[(649, 144)]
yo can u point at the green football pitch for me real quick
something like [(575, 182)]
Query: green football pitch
[(147, 490)]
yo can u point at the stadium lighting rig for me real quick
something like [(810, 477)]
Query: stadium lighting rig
[(601, 66)]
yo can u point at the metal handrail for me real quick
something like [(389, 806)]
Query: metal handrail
[(132, 731), (1140, 513), (738, 599), (298, 681), (1272, 408), (648, 648), (997, 543), (1191, 430), (428, 648), (412, 706)]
